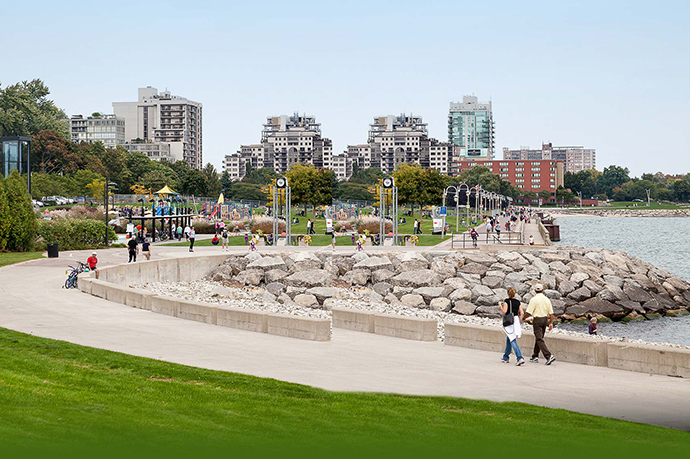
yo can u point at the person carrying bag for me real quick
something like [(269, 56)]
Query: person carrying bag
[(511, 311)]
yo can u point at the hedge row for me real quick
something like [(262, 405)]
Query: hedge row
[(75, 234)]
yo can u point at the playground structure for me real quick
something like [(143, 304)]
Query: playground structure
[(231, 211), (344, 211)]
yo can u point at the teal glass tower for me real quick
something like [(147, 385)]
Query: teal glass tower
[(471, 128)]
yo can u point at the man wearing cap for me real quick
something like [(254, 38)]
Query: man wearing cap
[(92, 262), (540, 308)]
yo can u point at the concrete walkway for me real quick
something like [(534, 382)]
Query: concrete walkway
[(32, 301)]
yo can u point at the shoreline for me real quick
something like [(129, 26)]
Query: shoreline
[(632, 212)]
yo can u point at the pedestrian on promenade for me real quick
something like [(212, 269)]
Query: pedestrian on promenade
[(187, 229), (309, 226), (512, 313), (498, 230), (179, 233), (133, 249), (224, 238), (192, 236), (531, 239), (474, 235), (146, 249), (415, 226), (333, 240), (541, 310)]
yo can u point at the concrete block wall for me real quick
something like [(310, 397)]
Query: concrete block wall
[(299, 327), (353, 319), (385, 324), (406, 327), (624, 356), (244, 319)]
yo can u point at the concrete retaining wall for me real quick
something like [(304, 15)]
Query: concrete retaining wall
[(406, 327), (299, 327), (114, 281), (385, 324), (354, 319), (634, 357)]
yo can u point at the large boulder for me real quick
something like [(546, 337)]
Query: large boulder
[(306, 300), (579, 278), (382, 288), (359, 256), (552, 294), (595, 306), (250, 277), (413, 300), (304, 261), (612, 293), (411, 261), (252, 256), (613, 280), (481, 290), (629, 306), (416, 278), (548, 281), (474, 268), (357, 276), (381, 275), (343, 263), (501, 267), (470, 279), (463, 307), (512, 279), (678, 283), (391, 299), (374, 263), (488, 311), (560, 267), (480, 257), (541, 266), (429, 293), (591, 269), (275, 288), (636, 293), (549, 257), (616, 260), (275, 275), (592, 286), (455, 283), (310, 278), (267, 263), (566, 287), (595, 257), (670, 289), (492, 282), (444, 269), (440, 304), (461, 294), (580, 294), (236, 265), (512, 259), (321, 293), (222, 291)]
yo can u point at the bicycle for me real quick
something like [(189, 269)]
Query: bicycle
[(73, 275)]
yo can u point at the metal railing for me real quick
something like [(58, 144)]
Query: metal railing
[(465, 241)]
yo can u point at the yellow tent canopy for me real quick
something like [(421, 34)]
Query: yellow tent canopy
[(221, 199), (166, 190)]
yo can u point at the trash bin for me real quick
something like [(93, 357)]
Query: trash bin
[(53, 250)]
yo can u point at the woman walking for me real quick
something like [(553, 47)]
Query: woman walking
[(512, 314)]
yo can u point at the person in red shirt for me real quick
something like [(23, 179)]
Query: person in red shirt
[(92, 262)]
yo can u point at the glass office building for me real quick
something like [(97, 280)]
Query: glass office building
[(471, 127), (16, 155)]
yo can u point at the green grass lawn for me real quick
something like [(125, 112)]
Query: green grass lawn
[(8, 258), (56, 396)]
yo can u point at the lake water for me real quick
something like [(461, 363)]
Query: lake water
[(663, 242)]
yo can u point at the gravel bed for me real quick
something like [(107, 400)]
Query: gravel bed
[(256, 299)]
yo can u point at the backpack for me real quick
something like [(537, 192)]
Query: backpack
[(225, 234)]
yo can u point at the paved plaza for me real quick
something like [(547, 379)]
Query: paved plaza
[(32, 301)]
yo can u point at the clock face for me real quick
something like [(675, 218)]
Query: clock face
[(388, 182), (280, 182)]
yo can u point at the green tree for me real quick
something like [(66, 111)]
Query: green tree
[(158, 178), (244, 191), (262, 176), (138, 164), (194, 183), (681, 190), (418, 186), (26, 110), (52, 153), (483, 176), (369, 175), (612, 177), (22, 221), (213, 186), (545, 195), (310, 185), (347, 191), (225, 183)]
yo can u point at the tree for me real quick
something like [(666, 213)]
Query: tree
[(81, 180), (22, 221), (545, 195), (225, 183), (262, 176), (681, 190), (368, 176), (213, 186), (51, 152), (139, 164), (243, 191), (347, 191), (96, 189), (612, 177), (157, 179), (483, 176), (310, 185), (26, 110), (194, 183)]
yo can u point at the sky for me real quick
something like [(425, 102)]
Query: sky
[(610, 75)]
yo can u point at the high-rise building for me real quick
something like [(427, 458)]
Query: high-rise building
[(395, 140), (108, 129), (157, 151), (471, 128), (285, 141), (575, 158), (165, 118)]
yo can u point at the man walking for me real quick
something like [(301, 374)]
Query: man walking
[(540, 308), (133, 248)]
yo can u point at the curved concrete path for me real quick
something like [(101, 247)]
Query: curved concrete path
[(32, 301)]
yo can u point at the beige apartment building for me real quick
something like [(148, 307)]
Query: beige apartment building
[(574, 158), (108, 129), (165, 118)]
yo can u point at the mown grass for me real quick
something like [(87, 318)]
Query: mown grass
[(9, 258), (58, 397)]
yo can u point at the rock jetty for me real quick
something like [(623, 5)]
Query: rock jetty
[(628, 212), (581, 282)]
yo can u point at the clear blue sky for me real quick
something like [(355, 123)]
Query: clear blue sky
[(610, 75)]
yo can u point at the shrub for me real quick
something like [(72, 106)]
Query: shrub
[(205, 228), (372, 226), (74, 234), (265, 225), (19, 221), (342, 226)]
